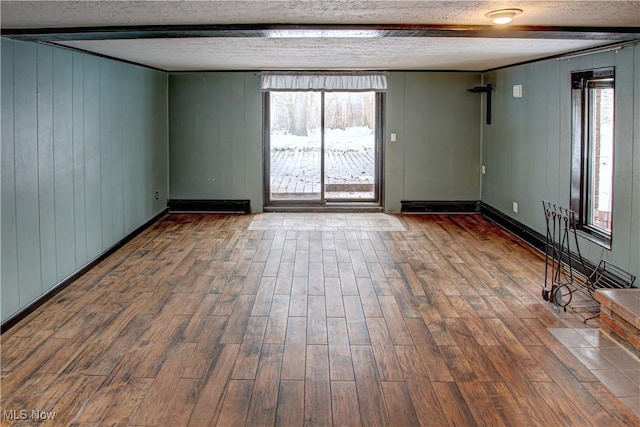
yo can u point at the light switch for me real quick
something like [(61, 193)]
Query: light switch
[(393, 137), (517, 91)]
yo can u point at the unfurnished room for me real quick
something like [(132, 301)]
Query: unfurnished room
[(320, 213)]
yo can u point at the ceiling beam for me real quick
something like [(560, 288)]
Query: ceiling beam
[(280, 30)]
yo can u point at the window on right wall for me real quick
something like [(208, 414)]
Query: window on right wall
[(593, 99)]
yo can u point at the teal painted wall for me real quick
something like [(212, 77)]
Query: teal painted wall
[(84, 148), (85, 145), (216, 137), (215, 142), (527, 148), (437, 153)]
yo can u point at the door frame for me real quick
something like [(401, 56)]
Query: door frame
[(378, 188)]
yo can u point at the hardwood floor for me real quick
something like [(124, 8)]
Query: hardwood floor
[(206, 320)]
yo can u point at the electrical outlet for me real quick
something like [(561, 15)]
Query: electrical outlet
[(157, 195), (484, 169), (515, 207)]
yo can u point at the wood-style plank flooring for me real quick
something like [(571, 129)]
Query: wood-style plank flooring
[(201, 320)]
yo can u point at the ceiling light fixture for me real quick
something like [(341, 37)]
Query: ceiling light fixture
[(503, 16)]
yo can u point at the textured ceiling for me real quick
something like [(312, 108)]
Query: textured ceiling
[(238, 53), (35, 14), (329, 54)]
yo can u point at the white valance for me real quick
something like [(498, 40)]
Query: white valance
[(324, 81)]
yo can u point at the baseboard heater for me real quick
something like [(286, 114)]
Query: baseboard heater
[(581, 266), (435, 206), (200, 205), (529, 235)]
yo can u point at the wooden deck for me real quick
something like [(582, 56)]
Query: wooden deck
[(206, 320), (295, 174)]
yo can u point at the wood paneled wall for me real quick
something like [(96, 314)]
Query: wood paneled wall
[(84, 149), (527, 148)]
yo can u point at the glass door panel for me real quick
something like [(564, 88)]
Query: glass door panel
[(295, 146), (350, 145)]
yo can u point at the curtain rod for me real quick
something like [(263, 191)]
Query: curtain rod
[(616, 47)]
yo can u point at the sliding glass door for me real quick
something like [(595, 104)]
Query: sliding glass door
[(295, 140), (349, 145), (322, 147)]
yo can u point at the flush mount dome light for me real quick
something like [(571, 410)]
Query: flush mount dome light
[(503, 16)]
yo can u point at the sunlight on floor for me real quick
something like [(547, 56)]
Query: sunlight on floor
[(326, 222)]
